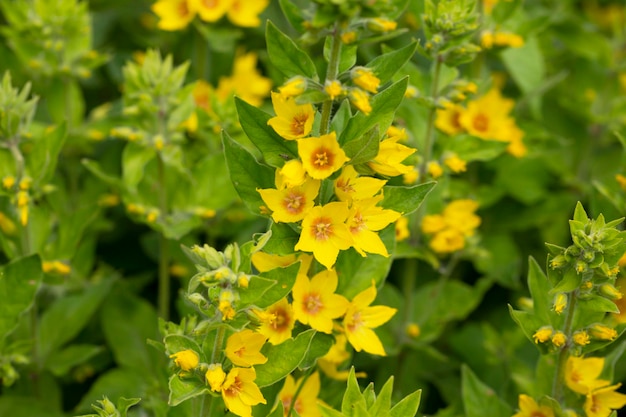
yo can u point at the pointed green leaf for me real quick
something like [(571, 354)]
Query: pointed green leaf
[(363, 148), (283, 239), (134, 160), (528, 322), (294, 15), (185, 389), (283, 359), (286, 56), (597, 303), (177, 342), (580, 215), (347, 54), (283, 279), (539, 289), (570, 281), (383, 400), (273, 147), (386, 65), (479, 400), (123, 404), (408, 406), (405, 200), (329, 412), (320, 346), (246, 173), (352, 397), (61, 362), (19, 281)]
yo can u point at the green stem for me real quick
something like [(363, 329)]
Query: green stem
[(200, 58), (68, 103), (430, 125), (331, 75), (219, 341), (559, 372), (164, 249)]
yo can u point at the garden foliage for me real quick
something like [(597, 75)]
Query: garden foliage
[(312, 208)]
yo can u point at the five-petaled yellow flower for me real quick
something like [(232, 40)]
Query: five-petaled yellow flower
[(360, 319), (602, 401), (390, 156), (244, 348), (365, 78), (528, 407), (306, 403), (325, 233), (350, 186), (321, 156), (240, 393), (315, 302), (364, 220), (290, 205), (292, 120), (276, 321), (581, 374)]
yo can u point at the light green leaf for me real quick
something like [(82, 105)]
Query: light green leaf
[(19, 281), (134, 160), (539, 289), (363, 148), (177, 342), (528, 322), (42, 160), (408, 406), (185, 389), (273, 147), (470, 148), (116, 383), (320, 345), (246, 173), (282, 359), (405, 200), (64, 101), (386, 65), (123, 404), (527, 67), (286, 56), (479, 400), (282, 279), (283, 239), (597, 303), (352, 397)]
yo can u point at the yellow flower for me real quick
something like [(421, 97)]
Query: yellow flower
[(581, 374), (325, 233), (315, 302), (410, 177), (333, 88), (581, 338), (292, 121), (455, 164), (602, 332), (448, 119), (489, 39), (543, 334), (360, 319), (447, 241), (350, 186), (6, 225), (246, 81), (321, 156), (186, 359), (433, 223), (560, 302), (365, 78), (8, 182), (245, 13), (276, 322), (290, 205), (434, 169), (488, 118), (306, 403), (390, 156), (396, 132), (174, 14), (215, 377), (243, 348), (402, 229), (621, 303), (459, 214), (293, 87), (364, 220), (621, 180), (602, 401), (336, 355), (212, 10), (291, 174), (413, 330), (528, 407), (264, 262), (380, 24), (348, 37), (240, 393), (559, 339), (360, 100)]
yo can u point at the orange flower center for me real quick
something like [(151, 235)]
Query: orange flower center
[(358, 223), (356, 322), (234, 389), (297, 124), (286, 400), (322, 158), (294, 202), (240, 352), (322, 229), (481, 122), (345, 185), (313, 303), (454, 119), (211, 3), (183, 9), (279, 320)]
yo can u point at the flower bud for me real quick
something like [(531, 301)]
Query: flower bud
[(186, 359), (610, 292)]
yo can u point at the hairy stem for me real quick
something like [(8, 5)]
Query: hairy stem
[(429, 139), (331, 74), (164, 249), (559, 372)]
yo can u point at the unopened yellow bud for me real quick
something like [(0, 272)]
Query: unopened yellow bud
[(559, 339), (360, 100), (293, 87), (610, 291), (152, 216), (581, 338), (334, 89), (8, 182), (434, 169), (243, 281), (379, 24), (411, 92), (6, 225), (413, 330), (108, 200), (186, 359), (95, 135), (348, 37), (602, 332), (215, 377), (159, 142), (560, 302), (543, 334), (410, 177), (25, 183), (365, 78), (61, 268)]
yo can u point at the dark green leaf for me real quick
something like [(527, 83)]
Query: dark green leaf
[(284, 279), (320, 345), (283, 359), (364, 148), (283, 239), (185, 389), (19, 281), (405, 200), (479, 400), (286, 56), (386, 65), (61, 362)]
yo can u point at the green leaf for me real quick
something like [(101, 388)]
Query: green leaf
[(363, 148), (123, 404), (384, 105), (352, 397), (597, 303), (479, 400), (570, 281), (405, 200), (19, 281), (383, 400), (539, 289), (386, 65), (347, 54), (26, 406), (286, 56), (528, 322), (65, 102), (282, 359), (320, 346), (407, 406), (294, 15), (43, 158), (116, 383), (185, 389), (134, 160), (177, 342), (470, 148), (67, 316), (282, 279), (329, 412), (580, 215), (246, 173), (61, 362), (283, 239), (273, 147), (95, 168)]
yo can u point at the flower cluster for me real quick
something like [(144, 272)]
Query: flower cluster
[(452, 227), (177, 14), (486, 117)]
